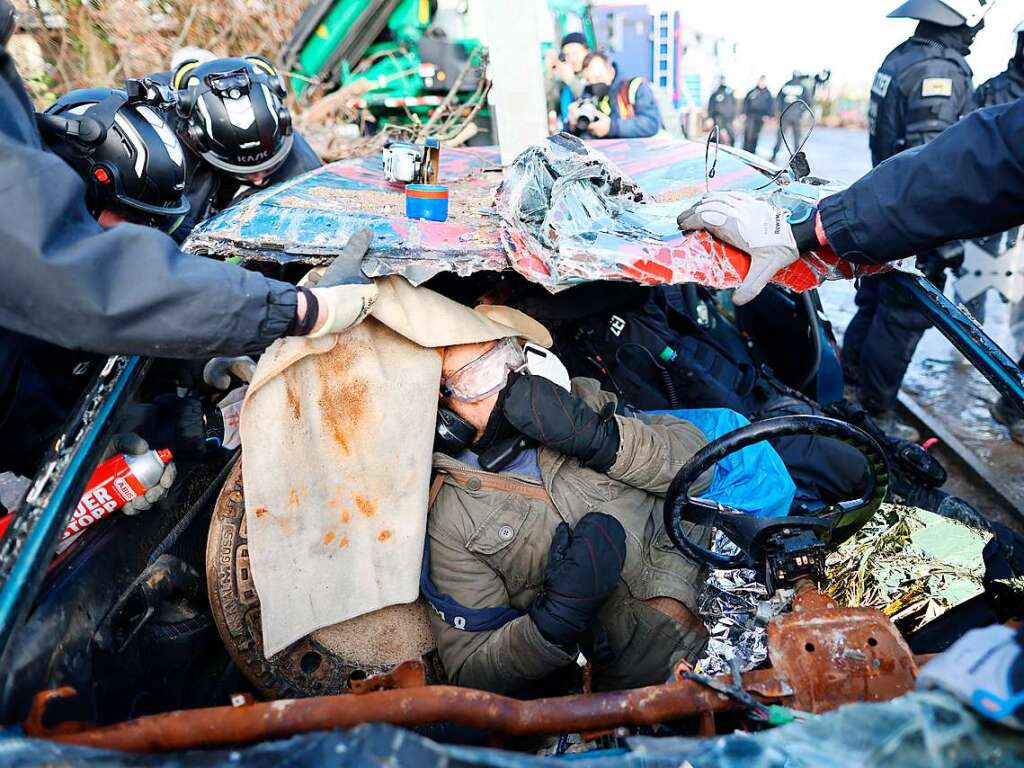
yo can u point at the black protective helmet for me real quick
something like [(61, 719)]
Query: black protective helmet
[(124, 150), (232, 113), (945, 13)]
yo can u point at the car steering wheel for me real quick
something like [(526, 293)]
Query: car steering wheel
[(759, 539)]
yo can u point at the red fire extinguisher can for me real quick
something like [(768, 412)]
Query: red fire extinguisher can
[(115, 482)]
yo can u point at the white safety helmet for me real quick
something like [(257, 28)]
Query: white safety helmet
[(947, 13), (1019, 28), (190, 53)]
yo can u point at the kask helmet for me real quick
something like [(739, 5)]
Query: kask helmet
[(232, 113), (946, 13), (121, 145)]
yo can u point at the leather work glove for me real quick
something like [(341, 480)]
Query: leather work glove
[(344, 295), (583, 568), (985, 670), (132, 444), (218, 371), (542, 410), (754, 226)]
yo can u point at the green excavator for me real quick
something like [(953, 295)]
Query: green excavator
[(401, 57)]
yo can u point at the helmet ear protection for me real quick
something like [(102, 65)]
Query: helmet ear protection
[(186, 99), (276, 81), (284, 119), (185, 104)]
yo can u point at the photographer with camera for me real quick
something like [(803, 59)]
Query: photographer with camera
[(564, 82), (613, 107)]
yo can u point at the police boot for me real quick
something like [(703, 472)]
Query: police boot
[(1009, 416), (891, 424)]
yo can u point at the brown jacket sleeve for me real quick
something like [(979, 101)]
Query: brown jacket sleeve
[(653, 448), (503, 660)]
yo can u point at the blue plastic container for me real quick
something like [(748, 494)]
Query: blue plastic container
[(426, 201)]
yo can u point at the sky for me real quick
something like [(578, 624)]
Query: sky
[(851, 37)]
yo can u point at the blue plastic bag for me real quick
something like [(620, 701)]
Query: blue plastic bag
[(752, 480)]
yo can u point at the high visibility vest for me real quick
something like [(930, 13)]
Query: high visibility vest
[(625, 97)]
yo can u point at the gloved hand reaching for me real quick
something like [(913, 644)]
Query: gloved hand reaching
[(985, 670), (218, 371), (754, 226), (342, 296), (582, 570), (342, 306), (134, 445), (542, 410)]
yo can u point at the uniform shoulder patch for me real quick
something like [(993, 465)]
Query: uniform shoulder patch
[(936, 86), (880, 86)]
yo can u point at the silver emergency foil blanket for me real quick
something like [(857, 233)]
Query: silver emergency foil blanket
[(911, 564), (735, 609)]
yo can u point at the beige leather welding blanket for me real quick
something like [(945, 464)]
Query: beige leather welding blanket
[(337, 435)]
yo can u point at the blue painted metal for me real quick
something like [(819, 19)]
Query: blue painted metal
[(967, 336), (312, 217), (21, 586), (625, 32)]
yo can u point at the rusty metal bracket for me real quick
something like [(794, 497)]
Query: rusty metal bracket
[(835, 656), (408, 674)]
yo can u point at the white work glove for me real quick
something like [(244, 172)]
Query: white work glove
[(132, 444), (343, 306), (754, 226), (218, 371), (977, 670), (344, 295)]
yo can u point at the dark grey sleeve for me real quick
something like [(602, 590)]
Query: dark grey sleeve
[(127, 289)]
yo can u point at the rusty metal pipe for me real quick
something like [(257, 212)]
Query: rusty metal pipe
[(220, 726)]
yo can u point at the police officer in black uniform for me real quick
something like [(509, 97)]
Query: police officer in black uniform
[(923, 87), (722, 111), (758, 104), (1007, 86), (791, 117)]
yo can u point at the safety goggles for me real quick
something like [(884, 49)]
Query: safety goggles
[(487, 374)]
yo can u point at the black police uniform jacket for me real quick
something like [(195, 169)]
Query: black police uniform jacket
[(722, 104), (1003, 88), (793, 91), (923, 87), (758, 103)]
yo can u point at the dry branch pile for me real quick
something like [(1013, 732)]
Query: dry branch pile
[(102, 42)]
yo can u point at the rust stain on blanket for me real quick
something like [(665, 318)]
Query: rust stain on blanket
[(367, 507), (344, 398)]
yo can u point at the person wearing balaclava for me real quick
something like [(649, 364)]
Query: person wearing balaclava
[(922, 88)]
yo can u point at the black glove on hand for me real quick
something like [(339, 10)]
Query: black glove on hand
[(582, 570), (544, 411)]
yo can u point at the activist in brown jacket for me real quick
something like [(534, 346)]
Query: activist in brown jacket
[(490, 539)]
